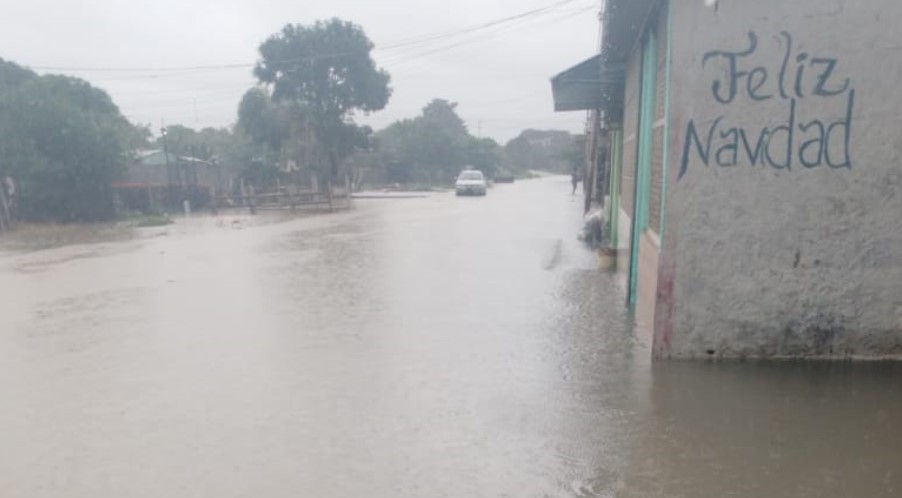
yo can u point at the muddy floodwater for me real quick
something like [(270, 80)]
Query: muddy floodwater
[(424, 347)]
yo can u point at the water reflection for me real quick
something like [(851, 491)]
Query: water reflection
[(422, 347), (764, 429)]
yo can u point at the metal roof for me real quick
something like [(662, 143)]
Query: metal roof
[(622, 23), (592, 84), (578, 88), (599, 82)]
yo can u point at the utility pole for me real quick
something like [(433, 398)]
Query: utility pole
[(168, 167)]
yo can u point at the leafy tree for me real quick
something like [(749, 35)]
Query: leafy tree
[(549, 150), (326, 72), (139, 137), (263, 121), (485, 154), (442, 114), (207, 143), (435, 146), (63, 141)]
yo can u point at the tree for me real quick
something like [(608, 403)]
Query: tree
[(485, 155), (435, 146), (263, 121), (63, 141), (207, 143), (326, 72), (549, 150)]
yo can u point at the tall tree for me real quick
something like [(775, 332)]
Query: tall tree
[(485, 155), (63, 141), (326, 70), (549, 150), (263, 121), (434, 146)]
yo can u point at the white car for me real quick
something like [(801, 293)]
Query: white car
[(471, 182)]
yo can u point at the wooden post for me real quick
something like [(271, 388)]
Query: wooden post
[(348, 191), (329, 193), (5, 221), (253, 200)]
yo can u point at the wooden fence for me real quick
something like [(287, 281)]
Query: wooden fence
[(286, 198)]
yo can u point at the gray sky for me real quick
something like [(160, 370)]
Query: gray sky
[(499, 75)]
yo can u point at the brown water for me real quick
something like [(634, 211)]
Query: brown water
[(409, 348)]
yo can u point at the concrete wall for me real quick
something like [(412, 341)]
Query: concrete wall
[(628, 169), (657, 157), (649, 244), (777, 247), (648, 250)]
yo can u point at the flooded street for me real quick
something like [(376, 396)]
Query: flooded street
[(422, 347)]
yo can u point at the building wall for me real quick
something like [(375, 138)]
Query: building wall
[(646, 302), (771, 248), (630, 132), (649, 243), (628, 170), (657, 158), (145, 174)]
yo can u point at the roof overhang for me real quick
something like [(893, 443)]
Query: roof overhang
[(593, 84), (578, 88), (598, 83), (623, 23)]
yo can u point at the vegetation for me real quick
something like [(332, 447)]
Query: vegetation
[(433, 147), (544, 150), (320, 76), (63, 141)]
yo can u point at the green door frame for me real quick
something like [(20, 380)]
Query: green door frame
[(614, 187), (665, 162), (643, 162)]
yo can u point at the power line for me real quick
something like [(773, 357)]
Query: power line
[(413, 42), (485, 36), (474, 28)]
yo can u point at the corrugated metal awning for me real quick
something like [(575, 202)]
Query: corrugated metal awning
[(623, 21), (598, 82), (592, 84), (578, 88)]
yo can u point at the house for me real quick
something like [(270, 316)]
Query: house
[(158, 178), (755, 190)]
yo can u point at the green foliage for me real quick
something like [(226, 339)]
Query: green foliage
[(321, 75), (232, 150), (63, 141), (544, 150), (486, 155), (433, 147), (209, 144), (264, 122), (282, 132)]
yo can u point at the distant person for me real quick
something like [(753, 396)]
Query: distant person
[(9, 185), (574, 179)]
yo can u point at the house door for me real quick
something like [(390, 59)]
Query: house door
[(643, 157)]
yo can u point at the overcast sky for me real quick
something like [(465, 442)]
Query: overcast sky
[(149, 53)]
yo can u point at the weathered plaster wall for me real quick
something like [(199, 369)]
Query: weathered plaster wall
[(630, 138), (647, 281), (790, 244), (657, 156)]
